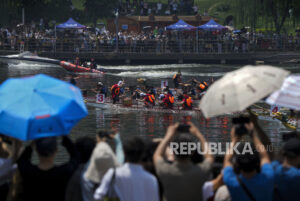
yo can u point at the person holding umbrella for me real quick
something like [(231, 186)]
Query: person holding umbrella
[(43, 109)]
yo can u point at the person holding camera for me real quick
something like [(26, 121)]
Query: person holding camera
[(182, 179), (287, 173), (46, 180), (248, 172)]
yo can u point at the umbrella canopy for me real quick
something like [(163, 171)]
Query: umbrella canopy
[(211, 25), (239, 89), (288, 95), (70, 24), (237, 31), (39, 106), (180, 26)]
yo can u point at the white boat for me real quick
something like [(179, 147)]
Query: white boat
[(28, 58)]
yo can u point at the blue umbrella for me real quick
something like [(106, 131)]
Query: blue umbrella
[(211, 25), (39, 106), (70, 24), (180, 26), (237, 31)]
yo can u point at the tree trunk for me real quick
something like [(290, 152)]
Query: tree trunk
[(279, 20)]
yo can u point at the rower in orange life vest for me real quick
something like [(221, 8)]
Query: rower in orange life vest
[(168, 101), (187, 102), (177, 79), (149, 99), (115, 91)]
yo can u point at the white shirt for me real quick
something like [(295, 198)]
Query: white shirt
[(159, 6), (132, 183)]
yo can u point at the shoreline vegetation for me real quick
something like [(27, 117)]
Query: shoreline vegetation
[(256, 14)]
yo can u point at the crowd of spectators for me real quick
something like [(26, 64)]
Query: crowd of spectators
[(151, 39), (171, 7), (137, 169)]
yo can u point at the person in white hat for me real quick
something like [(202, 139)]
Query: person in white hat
[(103, 158), (100, 89)]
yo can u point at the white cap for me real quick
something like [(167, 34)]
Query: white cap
[(120, 82), (102, 159), (100, 83)]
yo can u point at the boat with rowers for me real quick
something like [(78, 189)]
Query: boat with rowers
[(129, 105)]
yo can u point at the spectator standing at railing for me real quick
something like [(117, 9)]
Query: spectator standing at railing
[(174, 8), (158, 7), (195, 9)]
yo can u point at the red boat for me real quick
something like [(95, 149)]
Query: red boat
[(79, 69)]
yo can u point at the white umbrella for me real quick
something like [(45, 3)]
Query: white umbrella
[(239, 89), (288, 95)]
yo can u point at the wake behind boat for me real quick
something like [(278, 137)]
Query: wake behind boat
[(28, 58)]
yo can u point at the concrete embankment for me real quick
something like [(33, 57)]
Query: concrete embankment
[(268, 57)]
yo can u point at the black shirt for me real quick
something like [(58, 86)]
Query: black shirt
[(46, 185)]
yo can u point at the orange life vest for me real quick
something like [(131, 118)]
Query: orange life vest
[(115, 90), (188, 102), (150, 98), (202, 86), (168, 101)]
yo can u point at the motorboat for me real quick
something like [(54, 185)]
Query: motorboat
[(28, 58)]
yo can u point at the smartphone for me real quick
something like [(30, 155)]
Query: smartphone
[(184, 128)]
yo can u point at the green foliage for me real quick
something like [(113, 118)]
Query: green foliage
[(270, 13), (100, 8), (35, 9)]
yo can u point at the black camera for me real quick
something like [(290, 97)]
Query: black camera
[(239, 123), (289, 135), (184, 128)]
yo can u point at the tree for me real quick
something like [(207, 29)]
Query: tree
[(100, 8), (274, 11), (279, 10), (36, 9)]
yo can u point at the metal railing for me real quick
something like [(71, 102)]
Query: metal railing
[(157, 46)]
